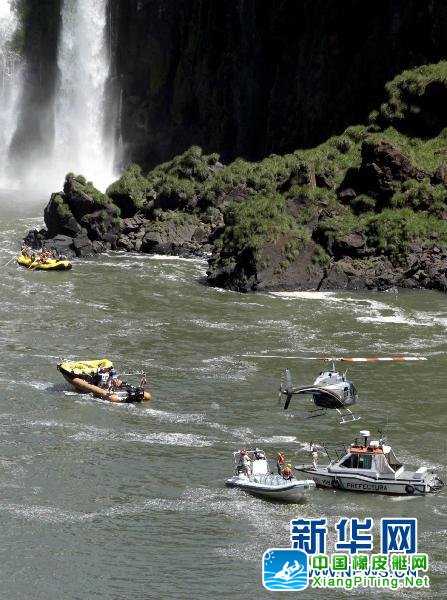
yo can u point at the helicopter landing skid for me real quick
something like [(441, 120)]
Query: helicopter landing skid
[(347, 417), (319, 412)]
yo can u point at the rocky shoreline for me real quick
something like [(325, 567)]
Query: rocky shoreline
[(81, 222)]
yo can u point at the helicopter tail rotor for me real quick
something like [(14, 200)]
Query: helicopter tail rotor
[(286, 387)]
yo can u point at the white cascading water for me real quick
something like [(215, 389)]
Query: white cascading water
[(84, 142), (10, 86)]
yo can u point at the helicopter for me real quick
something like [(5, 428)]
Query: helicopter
[(331, 389)]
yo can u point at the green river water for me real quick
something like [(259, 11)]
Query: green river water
[(128, 501)]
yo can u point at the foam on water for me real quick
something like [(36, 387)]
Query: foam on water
[(160, 438), (306, 296), (168, 417)]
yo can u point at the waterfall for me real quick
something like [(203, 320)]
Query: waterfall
[(10, 85), (84, 140)]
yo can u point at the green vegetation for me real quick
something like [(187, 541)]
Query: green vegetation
[(291, 199), (391, 231), (133, 184), (63, 210), (82, 186), (406, 94), (260, 219)]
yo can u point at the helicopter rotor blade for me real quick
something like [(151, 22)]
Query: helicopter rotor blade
[(382, 359), (341, 358)]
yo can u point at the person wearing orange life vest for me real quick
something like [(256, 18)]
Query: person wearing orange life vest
[(287, 472), (280, 462)]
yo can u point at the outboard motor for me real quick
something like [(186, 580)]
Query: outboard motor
[(135, 394)]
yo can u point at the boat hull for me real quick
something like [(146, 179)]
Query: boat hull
[(337, 481), (88, 388), (293, 492)]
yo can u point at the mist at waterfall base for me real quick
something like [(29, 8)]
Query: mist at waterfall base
[(102, 501), (80, 123)]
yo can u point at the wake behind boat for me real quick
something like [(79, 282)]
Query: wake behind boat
[(252, 475), (100, 378), (371, 467)]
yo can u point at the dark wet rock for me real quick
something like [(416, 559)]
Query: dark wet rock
[(80, 198), (35, 239), (62, 245), (59, 218), (352, 245), (170, 238), (440, 175), (382, 165), (268, 270), (83, 246), (101, 222), (324, 180)]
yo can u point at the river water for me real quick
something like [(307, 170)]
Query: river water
[(128, 502)]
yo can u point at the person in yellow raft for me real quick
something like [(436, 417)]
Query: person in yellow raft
[(44, 255)]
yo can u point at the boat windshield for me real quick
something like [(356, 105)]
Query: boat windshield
[(335, 452), (356, 461)]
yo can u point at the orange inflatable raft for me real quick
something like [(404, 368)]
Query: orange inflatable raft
[(83, 375)]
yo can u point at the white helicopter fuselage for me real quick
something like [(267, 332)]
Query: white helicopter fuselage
[(337, 382)]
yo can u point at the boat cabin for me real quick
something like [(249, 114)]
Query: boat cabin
[(373, 459)]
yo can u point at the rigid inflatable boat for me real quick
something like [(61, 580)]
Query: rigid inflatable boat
[(50, 264), (84, 376), (256, 478)]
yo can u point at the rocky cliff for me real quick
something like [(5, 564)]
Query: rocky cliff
[(242, 78), (364, 210), (248, 78)]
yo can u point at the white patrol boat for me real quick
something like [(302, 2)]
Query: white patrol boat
[(371, 467), (252, 475)]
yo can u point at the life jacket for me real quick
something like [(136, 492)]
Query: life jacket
[(287, 473)]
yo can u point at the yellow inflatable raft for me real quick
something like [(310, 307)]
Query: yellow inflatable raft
[(83, 376), (51, 264)]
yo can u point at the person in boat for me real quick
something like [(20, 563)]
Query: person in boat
[(287, 472), (114, 381), (244, 465), (44, 255), (280, 462), (24, 250), (258, 454), (101, 378), (314, 455)]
